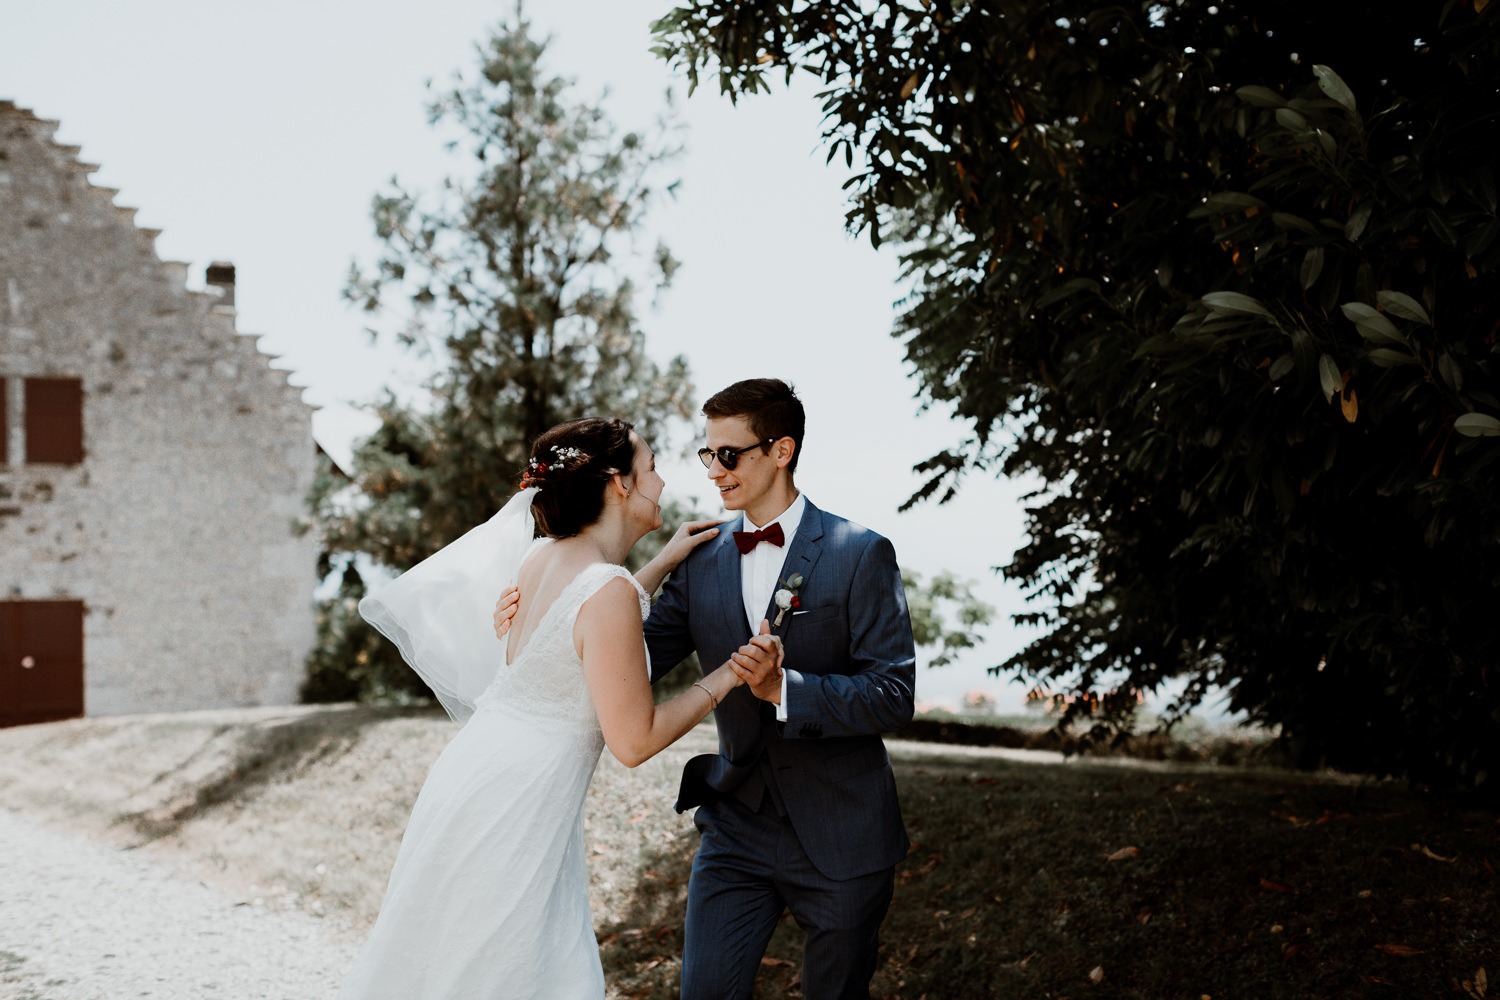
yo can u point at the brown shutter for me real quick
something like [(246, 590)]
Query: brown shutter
[(4, 422), (54, 421)]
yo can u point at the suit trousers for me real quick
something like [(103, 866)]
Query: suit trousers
[(750, 868)]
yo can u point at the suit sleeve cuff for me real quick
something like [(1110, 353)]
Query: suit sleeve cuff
[(781, 705)]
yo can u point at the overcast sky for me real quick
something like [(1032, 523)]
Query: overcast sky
[(257, 134)]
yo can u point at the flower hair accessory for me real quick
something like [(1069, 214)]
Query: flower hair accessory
[(563, 458), (786, 597)]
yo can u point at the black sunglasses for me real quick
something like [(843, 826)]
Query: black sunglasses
[(728, 457)]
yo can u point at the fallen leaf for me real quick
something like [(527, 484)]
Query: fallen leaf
[(1429, 853), (929, 866), (774, 962), (1096, 975), (1143, 917), (1293, 950), (1277, 928), (1399, 950), (639, 816), (1123, 853), (1271, 886), (1365, 893)]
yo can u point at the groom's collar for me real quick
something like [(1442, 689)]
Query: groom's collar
[(789, 519)]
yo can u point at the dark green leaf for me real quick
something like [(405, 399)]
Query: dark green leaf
[(1334, 86), (1371, 324), (1402, 305), (1235, 302), (1358, 220), (1477, 425), (1329, 377), (1312, 266), (1387, 357), (1260, 97)]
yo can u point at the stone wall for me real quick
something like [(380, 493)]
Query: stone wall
[(175, 531)]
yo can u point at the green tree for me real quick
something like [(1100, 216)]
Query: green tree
[(933, 603), (1222, 274), (511, 286)]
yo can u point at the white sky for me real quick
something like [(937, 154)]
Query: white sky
[(257, 134)]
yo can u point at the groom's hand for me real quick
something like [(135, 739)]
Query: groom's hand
[(758, 664), (505, 611)]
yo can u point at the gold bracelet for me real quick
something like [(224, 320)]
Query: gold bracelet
[(705, 690)]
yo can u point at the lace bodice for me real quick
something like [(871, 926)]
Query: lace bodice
[(546, 679)]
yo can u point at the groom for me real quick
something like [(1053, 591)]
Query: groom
[(797, 811)]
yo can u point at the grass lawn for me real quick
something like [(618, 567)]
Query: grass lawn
[(1029, 876)]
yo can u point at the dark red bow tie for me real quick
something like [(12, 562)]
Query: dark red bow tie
[(747, 540)]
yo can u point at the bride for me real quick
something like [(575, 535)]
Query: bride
[(488, 897)]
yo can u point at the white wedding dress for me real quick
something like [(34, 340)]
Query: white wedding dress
[(488, 898)]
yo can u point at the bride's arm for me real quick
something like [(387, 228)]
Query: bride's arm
[(688, 537), (608, 636)]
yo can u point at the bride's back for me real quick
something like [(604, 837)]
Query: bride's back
[(542, 674), (548, 570)]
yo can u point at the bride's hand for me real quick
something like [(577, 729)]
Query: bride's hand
[(758, 664), (687, 538), (505, 611)]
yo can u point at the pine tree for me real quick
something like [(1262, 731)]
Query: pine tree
[(511, 286)]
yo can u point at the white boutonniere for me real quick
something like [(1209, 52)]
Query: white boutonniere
[(786, 597)]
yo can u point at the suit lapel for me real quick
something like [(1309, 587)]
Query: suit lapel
[(807, 546), (731, 590)]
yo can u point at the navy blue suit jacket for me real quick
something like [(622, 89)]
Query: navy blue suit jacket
[(851, 669)]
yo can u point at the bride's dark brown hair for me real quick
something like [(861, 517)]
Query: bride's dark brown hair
[(570, 465)]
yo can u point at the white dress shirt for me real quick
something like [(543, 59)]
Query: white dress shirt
[(760, 574)]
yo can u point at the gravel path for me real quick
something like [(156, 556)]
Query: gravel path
[(82, 921)]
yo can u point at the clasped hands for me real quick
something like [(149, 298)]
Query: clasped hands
[(757, 663)]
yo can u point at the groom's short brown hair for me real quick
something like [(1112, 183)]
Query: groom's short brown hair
[(771, 407)]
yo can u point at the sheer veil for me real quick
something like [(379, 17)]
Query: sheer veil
[(439, 612)]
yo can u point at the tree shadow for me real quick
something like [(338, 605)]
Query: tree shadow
[(642, 952), (261, 756)]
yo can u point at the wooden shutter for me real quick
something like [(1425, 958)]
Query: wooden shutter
[(41, 661), (54, 421)]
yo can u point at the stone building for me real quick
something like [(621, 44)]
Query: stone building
[(151, 465)]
